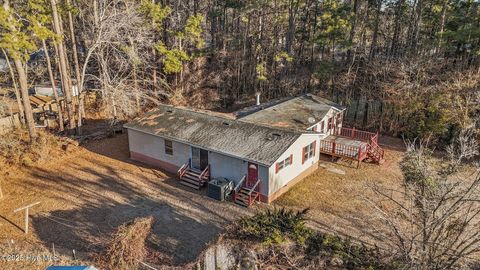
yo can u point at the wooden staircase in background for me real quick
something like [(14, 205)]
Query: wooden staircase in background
[(374, 151), (193, 178)]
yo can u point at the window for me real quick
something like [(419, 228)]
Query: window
[(330, 123), (284, 163), (168, 147), (339, 118), (309, 151), (322, 127)]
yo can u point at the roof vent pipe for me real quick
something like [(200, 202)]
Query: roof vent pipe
[(257, 95)]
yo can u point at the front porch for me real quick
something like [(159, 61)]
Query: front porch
[(245, 192), (352, 144)]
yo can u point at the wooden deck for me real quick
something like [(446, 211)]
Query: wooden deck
[(352, 144), (344, 147)]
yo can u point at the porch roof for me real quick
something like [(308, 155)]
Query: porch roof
[(247, 141), (298, 113)]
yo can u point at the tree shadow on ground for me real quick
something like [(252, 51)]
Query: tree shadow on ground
[(87, 196), (88, 229)]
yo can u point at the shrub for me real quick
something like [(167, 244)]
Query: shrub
[(16, 148), (127, 247), (353, 256), (278, 226), (275, 226)]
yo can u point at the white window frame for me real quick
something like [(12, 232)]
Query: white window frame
[(284, 163), (309, 151)]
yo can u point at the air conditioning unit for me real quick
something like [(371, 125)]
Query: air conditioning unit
[(219, 188)]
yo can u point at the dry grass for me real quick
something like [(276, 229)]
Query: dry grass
[(16, 149), (91, 191), (127, 247), (338, 201)]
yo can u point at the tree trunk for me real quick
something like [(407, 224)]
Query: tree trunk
[(442, 26), (22, 79), (352, 30), (373, 46), (67, 90), (416, 27), (81, 107), (292, 12), (396, 30), (54, 87), (17, 93)]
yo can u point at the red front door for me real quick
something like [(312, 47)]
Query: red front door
[(252, 174)]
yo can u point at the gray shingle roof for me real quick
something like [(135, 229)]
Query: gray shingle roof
[(298, 113), (248, 141)]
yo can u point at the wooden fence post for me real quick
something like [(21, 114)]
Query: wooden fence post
[(1, 191), (26, 214)]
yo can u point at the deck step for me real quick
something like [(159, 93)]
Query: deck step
[(242, 197), (193, 173), (188, 184), (242, 203), (190, 179)]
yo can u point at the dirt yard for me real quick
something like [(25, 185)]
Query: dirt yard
[(338, 193), (85, 195), (88, 193)]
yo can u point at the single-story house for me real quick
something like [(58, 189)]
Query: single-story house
[(264, 149)]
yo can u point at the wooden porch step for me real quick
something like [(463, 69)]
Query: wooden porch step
[(242, 203), (188, 184), (190, 181), (242, 197), (193, 173)]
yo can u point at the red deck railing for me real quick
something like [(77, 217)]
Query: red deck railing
[(254, 196), (342, 150), (205, 175), (356, 134), (183, 169)]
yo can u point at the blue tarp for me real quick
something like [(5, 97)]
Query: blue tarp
[(71, 268)]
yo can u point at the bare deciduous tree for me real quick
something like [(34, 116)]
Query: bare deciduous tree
[(433, 223)]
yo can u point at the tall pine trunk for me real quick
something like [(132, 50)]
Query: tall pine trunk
[(22, 79), (67, 90), (396, 31), (81, 107), (15, 88), (373, 46), (54, 87)]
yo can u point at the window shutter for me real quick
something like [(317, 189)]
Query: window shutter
[(276, 167), (314, 147), (291, 159), (303, 155)]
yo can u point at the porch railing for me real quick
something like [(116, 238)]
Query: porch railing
[(342, 150), (356, 134), (238, 186), (255, 187), (183, 169), (204, 176), (375, 150)]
